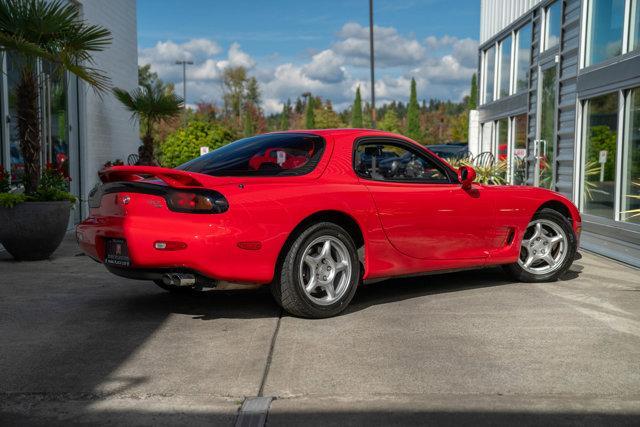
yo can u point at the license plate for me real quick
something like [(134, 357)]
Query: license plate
[(117, 253)]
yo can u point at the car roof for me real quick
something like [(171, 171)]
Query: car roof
[(355, 132)]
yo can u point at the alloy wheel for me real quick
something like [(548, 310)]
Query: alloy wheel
[(544, 247), (325, 270)]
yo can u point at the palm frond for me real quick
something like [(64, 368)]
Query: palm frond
[(55, 32), (591, 169), (149, 104), (634, 213)]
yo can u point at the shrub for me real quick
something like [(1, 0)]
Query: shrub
[(9, 200), (184, 144), (4, 181), (53, 186)]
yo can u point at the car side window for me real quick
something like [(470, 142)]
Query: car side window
[(384, 161)]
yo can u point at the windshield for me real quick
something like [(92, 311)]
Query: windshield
[(283, 154)]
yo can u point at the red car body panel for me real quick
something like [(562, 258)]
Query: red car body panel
[(407, 229)]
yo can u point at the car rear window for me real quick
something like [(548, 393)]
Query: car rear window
[(280, 154)]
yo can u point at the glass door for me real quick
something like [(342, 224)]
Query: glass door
[(518, 150), (55, 139), (545, 144), (15, 161)]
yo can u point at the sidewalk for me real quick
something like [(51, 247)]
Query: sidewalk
[(83, 346)]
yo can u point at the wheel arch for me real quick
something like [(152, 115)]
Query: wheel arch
[(340, 218), (557, 206)]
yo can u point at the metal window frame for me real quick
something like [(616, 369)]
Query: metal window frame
[(584, 111), (5, 147), (626, 142), (586, 30)]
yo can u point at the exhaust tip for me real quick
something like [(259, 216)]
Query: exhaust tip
[(178, 279)]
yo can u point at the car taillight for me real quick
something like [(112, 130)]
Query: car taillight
[(197, 201)]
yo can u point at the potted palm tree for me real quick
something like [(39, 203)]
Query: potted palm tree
[(35, 220), (150, 104)]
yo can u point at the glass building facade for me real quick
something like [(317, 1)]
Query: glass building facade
[(572, 108)]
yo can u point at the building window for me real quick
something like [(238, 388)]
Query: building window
[(487, 137), (634, 26), (489, 73), (553, 25), (548, 108), (601, 136), (604, 29), (505, 68), (630, 211), (519, 151), (523, 58)]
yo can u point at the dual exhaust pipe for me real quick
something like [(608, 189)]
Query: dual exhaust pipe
[(179, 279)]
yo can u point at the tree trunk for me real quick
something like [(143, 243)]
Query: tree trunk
[(29, 128), (147, 157)]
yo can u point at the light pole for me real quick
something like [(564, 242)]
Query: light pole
[(184, 80), (372, 61)]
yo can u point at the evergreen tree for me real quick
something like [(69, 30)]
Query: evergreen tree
[(413, 114), (366, 117), (473, 96), (284, 118), (390, 122), (356, 113), (310, 121), (249, 128)]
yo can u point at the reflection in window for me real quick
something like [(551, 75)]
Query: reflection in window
[(519, 163), (276, 154), (548, 110), (487, 137), (631, 161), (524, 58), (505, 67), (553, 23), (387, 162), (489, 73), (14, 65), (600, 155), (634, 27), (606, 20), (501, 148)]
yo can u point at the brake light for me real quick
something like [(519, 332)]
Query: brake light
[(201, 201)]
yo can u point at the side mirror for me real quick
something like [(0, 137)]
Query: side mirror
[(466, 176)]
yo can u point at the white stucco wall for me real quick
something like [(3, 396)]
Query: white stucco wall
[(496, 15), (106, 129)]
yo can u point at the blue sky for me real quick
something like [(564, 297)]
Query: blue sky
[(321, 46)]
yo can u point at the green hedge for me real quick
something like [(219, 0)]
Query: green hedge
[(184, 144)]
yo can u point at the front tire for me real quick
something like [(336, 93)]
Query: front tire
[(547, 250), (319, 274)]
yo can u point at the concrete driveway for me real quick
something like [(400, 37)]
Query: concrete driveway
[(79, 345)]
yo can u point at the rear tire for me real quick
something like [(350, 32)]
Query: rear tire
[(319, 273), (547, 250)]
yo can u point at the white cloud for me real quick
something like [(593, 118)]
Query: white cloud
[(238, 58), (442, 67), (391, 49), (326, 66)]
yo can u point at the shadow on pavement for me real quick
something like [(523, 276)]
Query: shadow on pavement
[(395, 290), (453, 418)]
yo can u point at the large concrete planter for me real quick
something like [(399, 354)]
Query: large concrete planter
[(32, 231)]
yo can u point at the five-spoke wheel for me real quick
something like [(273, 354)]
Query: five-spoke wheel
[(320, 272), (547, 249), (544, 247), (325, 270)]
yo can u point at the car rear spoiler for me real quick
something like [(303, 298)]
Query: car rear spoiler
[(173, 177)]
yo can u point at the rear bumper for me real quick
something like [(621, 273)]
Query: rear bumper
[(211, 249)]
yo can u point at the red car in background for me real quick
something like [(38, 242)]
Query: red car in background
[(313, 214)]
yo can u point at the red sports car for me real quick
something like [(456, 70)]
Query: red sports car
[(315, 213)]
